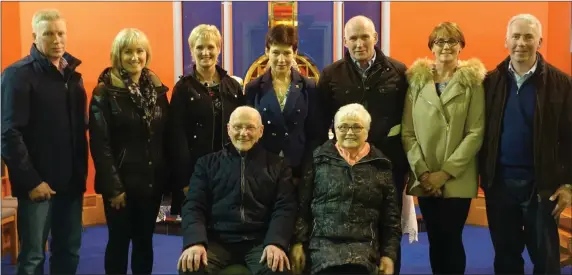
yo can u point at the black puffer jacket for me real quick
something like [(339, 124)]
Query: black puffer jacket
[(348, 214), (192, 122), (127, 156), (382, 93), (236, 197)]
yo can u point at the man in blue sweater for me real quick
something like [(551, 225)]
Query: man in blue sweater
[(526, 158)]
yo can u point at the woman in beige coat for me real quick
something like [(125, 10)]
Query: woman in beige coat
[(442, 131)]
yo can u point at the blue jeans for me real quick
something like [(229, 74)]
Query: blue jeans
[(519, 217), (35, 220)]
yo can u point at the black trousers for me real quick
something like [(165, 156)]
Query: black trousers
[(133, 223), (222, 255), (445, 219), (518, 217), (353, 269)]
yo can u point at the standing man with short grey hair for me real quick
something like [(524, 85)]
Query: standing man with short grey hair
[(526, 158), (44, 146)]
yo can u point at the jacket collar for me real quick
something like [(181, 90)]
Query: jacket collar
[(256, 150), (113, 83), (221, 72), (379, 57), (296, 86), (329, 150), (540, 65), (43, 60)]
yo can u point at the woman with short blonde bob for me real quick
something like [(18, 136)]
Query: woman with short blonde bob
[(128, 114), (442, 131), (200, 109)]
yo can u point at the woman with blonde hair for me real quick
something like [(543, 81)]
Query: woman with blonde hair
[(128, 114), (442, 131), (200, 109)]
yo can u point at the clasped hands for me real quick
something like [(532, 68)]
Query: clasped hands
[(432, 182), (299, 261), (192, 258)]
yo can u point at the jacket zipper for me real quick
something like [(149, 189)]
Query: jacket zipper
[(313, 227), (242, 166), (442, 115), (214, 125), (122, 156), (372, 233), (221, 118)]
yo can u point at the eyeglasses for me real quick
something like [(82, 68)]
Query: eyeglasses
[(441, 42), (248, 128), (356, 129)]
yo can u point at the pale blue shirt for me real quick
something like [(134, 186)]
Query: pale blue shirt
[(521, 79), (369, 64)]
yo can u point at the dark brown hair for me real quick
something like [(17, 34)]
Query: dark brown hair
[(282, 35), (446, 30)]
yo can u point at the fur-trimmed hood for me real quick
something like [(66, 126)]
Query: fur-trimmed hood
[(470, 73)]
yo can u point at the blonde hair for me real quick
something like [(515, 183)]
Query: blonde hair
[(126, 38), (206, 32), (44, 15), (353, 110), (531, 19)]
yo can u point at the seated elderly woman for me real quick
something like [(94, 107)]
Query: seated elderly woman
[(349, 219)]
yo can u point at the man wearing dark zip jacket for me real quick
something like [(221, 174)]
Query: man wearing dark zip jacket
[(378, 82), (241, 207), (526, 158), (44, 145)]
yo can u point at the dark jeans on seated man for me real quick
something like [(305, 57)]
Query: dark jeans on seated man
[(62, 214), (248, 253), (518, 217)]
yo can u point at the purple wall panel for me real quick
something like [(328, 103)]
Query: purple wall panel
[(194, 14), (372, 10), (250, 25), (315, 31)]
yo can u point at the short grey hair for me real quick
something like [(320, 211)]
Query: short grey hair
[(531, 19), (353, 110), (44, 15)]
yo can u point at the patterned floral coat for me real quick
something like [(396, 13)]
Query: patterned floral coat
[(348, 214)]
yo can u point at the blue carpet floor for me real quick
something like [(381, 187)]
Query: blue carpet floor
[(167, 250)]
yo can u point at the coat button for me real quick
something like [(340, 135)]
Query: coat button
[(268, 122), (295, 123), (286, 134), (195, 136), (148, 140), (264, 109), (150, 163), (298, 110), (150, 185), (144, 117), (274, 134), (192, 98)]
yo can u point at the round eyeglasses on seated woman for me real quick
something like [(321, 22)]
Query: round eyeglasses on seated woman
[(349, 220)]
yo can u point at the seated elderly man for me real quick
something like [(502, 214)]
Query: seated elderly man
[(349, 218), (241, 205)]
